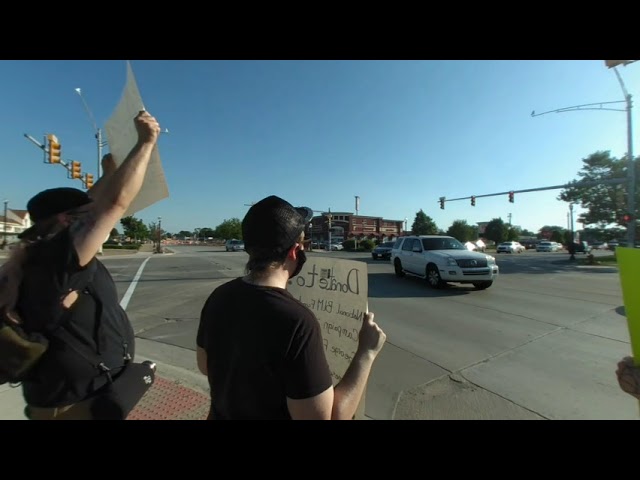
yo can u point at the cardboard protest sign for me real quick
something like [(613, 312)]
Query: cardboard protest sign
[(336, 291), (122, 137)]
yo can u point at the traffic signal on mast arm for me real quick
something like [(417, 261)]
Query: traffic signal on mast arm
[(54, 150), (76, 170), (442, 203), (88, 180), (473, 201), (511, 197)]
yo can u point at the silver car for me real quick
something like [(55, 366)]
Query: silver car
[(234, 245)]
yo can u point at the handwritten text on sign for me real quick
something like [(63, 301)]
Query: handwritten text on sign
[(336, 291)]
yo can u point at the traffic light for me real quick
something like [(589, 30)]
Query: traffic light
[(626, 218), (55, 151), (442, 203), (473, 201), (511, 197), (76, 170), (88, 180)]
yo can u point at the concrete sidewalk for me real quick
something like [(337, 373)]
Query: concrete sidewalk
[(177, 394)]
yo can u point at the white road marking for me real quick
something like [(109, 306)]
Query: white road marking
[(132, 286)]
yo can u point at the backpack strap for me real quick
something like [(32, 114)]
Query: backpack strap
[(82, 349)]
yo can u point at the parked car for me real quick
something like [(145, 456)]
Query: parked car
[(510, 247), (234, 245), (581, 247), (442, 259), (383, 251), (546, 246)]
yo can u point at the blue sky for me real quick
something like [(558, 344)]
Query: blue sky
[(399, 134)]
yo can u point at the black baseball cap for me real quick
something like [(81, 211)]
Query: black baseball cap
[(273, 224), (51, 202)]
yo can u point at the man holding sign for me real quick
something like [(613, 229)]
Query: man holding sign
[(54, 285), (261, 348)]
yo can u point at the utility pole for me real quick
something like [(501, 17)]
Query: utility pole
[(509, 216)]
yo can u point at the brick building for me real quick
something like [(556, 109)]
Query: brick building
[(347, 226)]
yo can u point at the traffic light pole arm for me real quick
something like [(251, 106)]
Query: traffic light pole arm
[(66, 165), (613, 181)]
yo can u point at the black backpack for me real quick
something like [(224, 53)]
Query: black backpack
[(20, 351)]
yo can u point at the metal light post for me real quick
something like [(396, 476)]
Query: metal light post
[(329, 217), (159, 249), (572, 247), (405, 225), (4, 237), (98, 133), (631, 174), (355, 236), (99, 142)]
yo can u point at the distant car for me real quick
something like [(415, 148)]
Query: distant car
[(546, 246), (383, 251), (234, 245), (510, 247)]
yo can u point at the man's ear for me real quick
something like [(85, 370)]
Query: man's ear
[(293, 252)]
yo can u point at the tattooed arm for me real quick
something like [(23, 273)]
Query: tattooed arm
[(117, 192)]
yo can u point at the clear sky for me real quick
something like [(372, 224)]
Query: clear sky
[(399, 134)]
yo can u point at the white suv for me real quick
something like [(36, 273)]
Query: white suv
[(441, 259)]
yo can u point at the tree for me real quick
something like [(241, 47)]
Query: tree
[(462, 231), (556, 236), (605, 204), (513, 233), (496, 230), (228, 229), (527, 233), (114, 233), (424, 225), (547, 231), (155, 233), (183, 234), (134, 228), (206, 232)]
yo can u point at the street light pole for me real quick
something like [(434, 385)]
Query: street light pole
[(4, 237), (572, 247), (355, 236), (159, 248), (631, 174), (99, 141)]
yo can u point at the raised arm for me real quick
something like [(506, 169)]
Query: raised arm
[(117, 192)]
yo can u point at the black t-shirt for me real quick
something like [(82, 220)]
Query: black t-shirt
[(51, 271), (262, 346)]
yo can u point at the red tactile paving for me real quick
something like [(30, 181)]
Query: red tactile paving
[(168, 400)]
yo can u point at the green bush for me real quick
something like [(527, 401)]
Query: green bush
[(349, 245), (366, 245)]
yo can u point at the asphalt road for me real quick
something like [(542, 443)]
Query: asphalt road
[(541, 343)]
